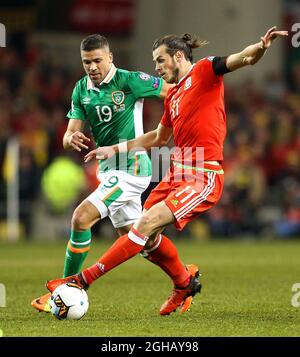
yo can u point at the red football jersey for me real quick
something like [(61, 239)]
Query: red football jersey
[(196, 111)]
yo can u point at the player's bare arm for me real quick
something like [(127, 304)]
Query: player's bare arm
[(164, 89), (74, 137), (253, 53), (154, 138)]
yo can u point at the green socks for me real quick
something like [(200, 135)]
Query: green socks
[(77, 250)]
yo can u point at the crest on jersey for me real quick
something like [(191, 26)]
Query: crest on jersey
[(188, 83), (118, 97)]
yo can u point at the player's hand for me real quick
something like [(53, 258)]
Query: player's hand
[(102, 153), (270, 36), (77, 141)]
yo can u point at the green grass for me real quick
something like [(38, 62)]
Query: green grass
[(246, 292)]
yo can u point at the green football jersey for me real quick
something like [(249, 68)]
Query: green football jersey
[(114, 111)]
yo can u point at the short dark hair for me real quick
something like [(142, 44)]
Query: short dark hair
[(184, 43), (93, 42)]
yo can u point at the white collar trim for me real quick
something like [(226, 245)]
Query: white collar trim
[(107, 79)]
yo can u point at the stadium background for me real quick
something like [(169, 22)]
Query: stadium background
[(247, 278)]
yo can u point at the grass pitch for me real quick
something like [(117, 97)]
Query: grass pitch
[(246, 292)]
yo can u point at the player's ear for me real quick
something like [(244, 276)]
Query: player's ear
[(111, 56), (178, 56)]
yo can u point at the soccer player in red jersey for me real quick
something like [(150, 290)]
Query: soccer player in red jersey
[(195, 116)]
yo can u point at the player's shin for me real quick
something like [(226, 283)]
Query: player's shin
[(123, 249), (76, 252), (164, 254)]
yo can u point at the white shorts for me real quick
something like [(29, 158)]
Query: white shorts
[(118, 196)]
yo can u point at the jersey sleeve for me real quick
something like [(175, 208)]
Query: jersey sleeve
[(143, 85), (77, 111), (205, 68)]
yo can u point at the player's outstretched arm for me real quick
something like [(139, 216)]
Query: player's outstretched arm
[(74, 138), (253, 53), (155, 138)]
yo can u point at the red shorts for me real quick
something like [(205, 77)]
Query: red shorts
[(188, 191)]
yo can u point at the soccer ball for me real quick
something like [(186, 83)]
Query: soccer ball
[(69, 301)]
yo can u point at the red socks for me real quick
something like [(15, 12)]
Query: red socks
[(122, 250), (165, 255)]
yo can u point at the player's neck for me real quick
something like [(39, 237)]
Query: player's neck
[(184, 70)]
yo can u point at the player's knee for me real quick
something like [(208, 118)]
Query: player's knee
[(148, 223), (80, 220)]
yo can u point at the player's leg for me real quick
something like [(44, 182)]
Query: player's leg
[(103, 202), (131, 244), (122, 215), (91, 210), (124, 247), (161, 251), (84, 217), (187, 202)]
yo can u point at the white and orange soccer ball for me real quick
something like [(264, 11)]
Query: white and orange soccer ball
[(69, 301)]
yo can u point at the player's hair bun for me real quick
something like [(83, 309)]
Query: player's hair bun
[(187, 38), (193, 42)]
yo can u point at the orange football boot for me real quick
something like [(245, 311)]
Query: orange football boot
[(182, 298), (73, 279), (42, 303)]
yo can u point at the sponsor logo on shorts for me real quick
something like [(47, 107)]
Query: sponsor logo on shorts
[(174, 203)]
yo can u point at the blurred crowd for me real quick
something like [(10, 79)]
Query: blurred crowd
[(262, 161)]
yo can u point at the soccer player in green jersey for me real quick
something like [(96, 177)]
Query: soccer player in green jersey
[(111, 99)]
